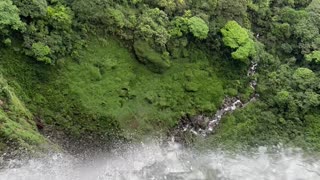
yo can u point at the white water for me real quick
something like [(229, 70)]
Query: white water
[(154, 162)]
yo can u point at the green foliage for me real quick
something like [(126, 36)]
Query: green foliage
[(179, 26), (245, 51), (9, 17), (237, 38), (298, 28), (198, 27), (169, 5), (17, 127), (41, 52), (304, 78), (33, 9), (152, 26), (108, 91), (136, 1), (42, 23), (247, 128), (230, 9), (234, 35), (7, 42), (283, 97), (151, 37), (314, 56), (117, 17), (155, 61), (303, 74), (60, 17)]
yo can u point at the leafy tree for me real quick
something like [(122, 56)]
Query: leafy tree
[(41, 52), (116, 17), (179, 26), (9, 17), (301, 3), (314, 56), (152, 27), (303, 74), (236, 37), (169, 6), (304, 78), (60, 17), (136, 1), (198, 27), (231, 9), (182, 25), (299, 28), (311, 99), (32, 8), (92, 12), (283, 97), (282, 30), (245, 51)]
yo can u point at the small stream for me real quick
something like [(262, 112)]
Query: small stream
[(204, 125)]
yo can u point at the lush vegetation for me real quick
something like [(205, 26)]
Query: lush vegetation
[(101, 70)]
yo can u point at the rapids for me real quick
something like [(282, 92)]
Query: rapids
[(154, 161)]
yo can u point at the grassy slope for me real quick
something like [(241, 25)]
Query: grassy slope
[(17, 128), (107, 92), (110, 82)]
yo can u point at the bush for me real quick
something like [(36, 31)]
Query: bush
[(41, 52), (198, 27)]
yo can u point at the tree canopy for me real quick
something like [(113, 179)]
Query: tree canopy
[(9, 17), (237, 38)]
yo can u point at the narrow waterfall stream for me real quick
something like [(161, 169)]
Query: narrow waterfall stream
[(204, 125)]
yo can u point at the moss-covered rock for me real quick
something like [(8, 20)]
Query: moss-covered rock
[(154, 60)]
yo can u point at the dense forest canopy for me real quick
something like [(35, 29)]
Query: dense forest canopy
[(84, 67)]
